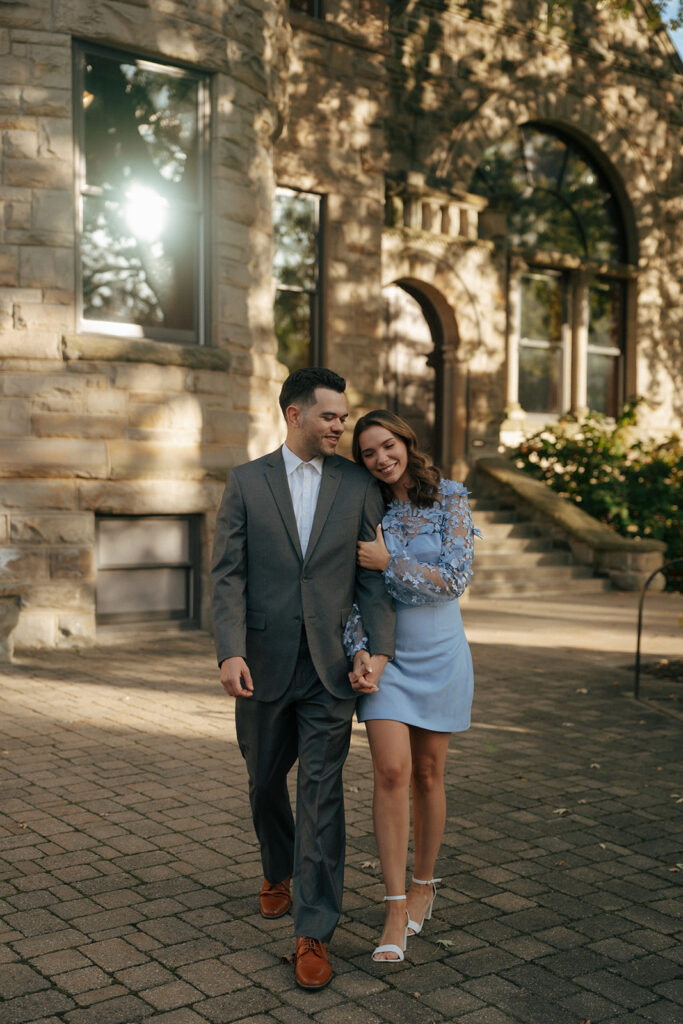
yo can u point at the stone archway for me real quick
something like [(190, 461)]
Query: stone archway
[(466, 327), (423, 380), (411, 358)]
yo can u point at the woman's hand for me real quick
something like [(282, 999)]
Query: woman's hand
[(361, 678), (373, 554)]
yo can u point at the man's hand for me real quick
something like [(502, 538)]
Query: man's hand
[(373, 554), (367, 670), (236, 678), (362, 677)]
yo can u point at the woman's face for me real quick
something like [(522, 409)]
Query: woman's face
[(385, 456)]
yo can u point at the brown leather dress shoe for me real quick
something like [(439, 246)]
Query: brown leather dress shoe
[(275, 899), (312, 963)]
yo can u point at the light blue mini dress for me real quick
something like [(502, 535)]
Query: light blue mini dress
[(430, 682)]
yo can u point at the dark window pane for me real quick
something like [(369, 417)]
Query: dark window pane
[(295, 263), (143, 592), (555, 196), (540, 378), (542, 307), (294, 328), (603, 383), (139, 261), (604, 325), (312, 7), (141, 128), (605, 333)]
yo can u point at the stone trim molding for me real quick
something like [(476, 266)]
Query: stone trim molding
[(627, 562), (105, 348)]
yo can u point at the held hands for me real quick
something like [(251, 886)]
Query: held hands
[(236, 678), (367, 670), (373, 554)]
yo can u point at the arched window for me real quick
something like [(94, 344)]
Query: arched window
[(566, 232)]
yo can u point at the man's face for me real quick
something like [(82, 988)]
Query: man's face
[(315, 429)]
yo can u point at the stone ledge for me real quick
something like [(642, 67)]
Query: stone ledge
[(107, 348), (627, 562)]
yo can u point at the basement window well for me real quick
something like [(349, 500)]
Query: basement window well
[(147, 570)]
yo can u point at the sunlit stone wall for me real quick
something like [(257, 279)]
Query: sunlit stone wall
[(95, 424)]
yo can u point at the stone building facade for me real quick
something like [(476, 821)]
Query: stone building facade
[(471, 210)]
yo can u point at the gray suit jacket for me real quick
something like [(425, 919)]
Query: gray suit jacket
[(264, 591)]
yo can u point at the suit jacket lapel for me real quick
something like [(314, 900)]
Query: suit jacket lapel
[(328, 489), (276, 478)]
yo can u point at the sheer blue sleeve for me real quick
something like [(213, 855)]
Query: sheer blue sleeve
[(354, 634), (413, 582)]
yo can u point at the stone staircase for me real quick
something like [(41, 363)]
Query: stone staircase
[(519, 556)]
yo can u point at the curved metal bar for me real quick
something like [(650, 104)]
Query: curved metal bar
[(662, 568)]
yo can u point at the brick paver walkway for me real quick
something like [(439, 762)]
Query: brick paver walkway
[(128, 869)]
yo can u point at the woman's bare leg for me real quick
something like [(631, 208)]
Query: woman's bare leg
[(429, 811), (392, 766)]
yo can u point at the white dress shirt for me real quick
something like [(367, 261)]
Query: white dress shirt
[(304, 486)]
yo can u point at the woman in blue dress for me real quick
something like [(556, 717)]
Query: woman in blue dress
[(424, 548)]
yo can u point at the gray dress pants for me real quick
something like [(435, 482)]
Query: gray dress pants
[(307, 723)]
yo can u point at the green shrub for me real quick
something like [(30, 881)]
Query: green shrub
[(634, 485)]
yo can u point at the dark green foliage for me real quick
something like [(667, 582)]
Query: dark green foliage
[(634, 485)]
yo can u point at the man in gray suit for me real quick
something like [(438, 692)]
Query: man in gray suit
[(285, 576)]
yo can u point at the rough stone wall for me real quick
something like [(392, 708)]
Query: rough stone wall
[(93, 425), (373, 95), (464, 73), (334, 144)]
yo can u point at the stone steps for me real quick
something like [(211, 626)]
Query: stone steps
[(519, 557)]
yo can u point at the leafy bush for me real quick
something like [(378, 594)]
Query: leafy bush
[(632, 484)]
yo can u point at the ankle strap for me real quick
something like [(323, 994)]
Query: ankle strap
[(395, 897), (430, 881)]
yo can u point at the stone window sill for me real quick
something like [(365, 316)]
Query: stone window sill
[(107, 348)]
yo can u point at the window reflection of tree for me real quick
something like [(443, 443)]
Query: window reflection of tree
[(296, 272), (558, 199), (142, 193)]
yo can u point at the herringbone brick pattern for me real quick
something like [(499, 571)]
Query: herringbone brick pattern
[(128, 868)]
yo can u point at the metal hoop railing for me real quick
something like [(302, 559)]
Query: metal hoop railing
[(662, 568)]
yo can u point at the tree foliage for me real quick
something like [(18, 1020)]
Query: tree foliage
[(660, 12), (632, 484)]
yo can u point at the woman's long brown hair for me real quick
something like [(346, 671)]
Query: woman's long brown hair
[(423, 474)]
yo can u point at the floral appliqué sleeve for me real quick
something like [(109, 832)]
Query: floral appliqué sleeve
[(414, 582)]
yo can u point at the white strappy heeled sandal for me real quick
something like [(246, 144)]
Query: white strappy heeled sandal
[(391, 947), (413, 927)]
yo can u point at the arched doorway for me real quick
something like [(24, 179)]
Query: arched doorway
[(413, 362)]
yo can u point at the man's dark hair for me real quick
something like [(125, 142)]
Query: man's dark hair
[(300, 386)]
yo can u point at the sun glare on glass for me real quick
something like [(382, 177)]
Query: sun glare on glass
[(146, 212)]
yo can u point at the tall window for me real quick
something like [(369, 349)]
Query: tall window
[(542, 338), (142, 132), (296, 268), (314, 8), (605, 330), (565, 227)]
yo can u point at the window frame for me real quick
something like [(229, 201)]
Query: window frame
[(316, 344), (315, 10), (564, 344), (614, 352), (575, 344), (190, 619), (198, 335)]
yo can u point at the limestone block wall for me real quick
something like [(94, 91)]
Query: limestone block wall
[(91, 424), (334, 144), (462, 74)]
